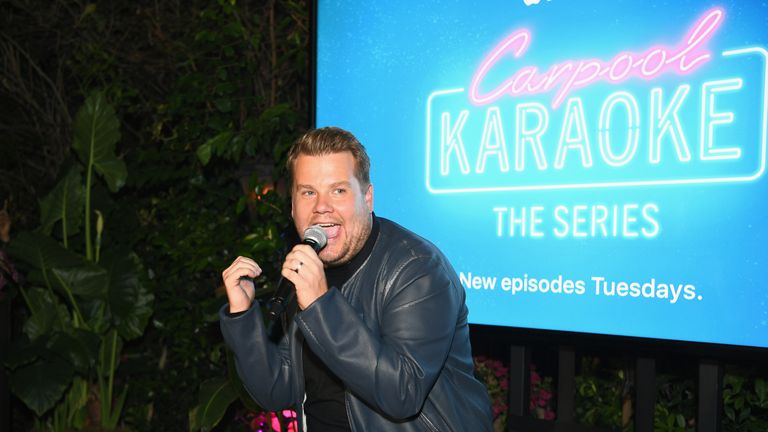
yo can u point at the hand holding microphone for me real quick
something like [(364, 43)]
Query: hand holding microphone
[(303, 274), (238, 277)]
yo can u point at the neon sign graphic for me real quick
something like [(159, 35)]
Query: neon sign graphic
[(572, 74), (601, 128)]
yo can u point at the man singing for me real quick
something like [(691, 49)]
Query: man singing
[(380, 340)]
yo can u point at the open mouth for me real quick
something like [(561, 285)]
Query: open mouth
[(331, 229)]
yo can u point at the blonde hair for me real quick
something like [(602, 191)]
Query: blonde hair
[(329, 140)]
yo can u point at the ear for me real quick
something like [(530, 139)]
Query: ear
[(369, 197)]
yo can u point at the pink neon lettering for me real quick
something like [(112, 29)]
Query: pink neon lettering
[(517, 43), (618, 77), (575, 74)]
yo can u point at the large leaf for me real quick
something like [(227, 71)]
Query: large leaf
[(128, 299), (87, 280), (48, 314), (216, 145), (22, 351), (216, 394), (41, 384), (97, 130), (42, 253), (79, 348), (96, 315), (64, 203)]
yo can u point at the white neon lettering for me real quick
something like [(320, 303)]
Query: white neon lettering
[(573, 135), (516, 221), (579, 220), (629, 220), (525, 136), (493, 142), (710, 119), (499, 219), (451, 141), (661, 125), (598, 221), (633, 129), (649, 211), (536, 220)]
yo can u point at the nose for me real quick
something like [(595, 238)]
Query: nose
[(323, 204)]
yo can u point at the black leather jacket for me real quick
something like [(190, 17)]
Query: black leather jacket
[(396, 335)]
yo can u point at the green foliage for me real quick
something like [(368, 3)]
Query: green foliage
[(675, 408), (745, 403), (75, 301), (599, 394), (216, 394), (41, 384), (64, 204), (97, 130)]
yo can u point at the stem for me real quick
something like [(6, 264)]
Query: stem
[(48, 285), (78, 315), (26, 299), (109, 412), (102, 390), (112, 367), (88, 246), (64, 220), (273, 47)]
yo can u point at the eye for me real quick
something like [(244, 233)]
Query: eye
[(308, 193), (339, 191)]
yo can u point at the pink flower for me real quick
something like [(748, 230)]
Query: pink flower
[(260, 422), (270, 422), (545, 394)]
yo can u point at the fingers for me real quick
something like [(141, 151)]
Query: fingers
[(238, 284), (303, 267), (241, 267), (302, 261)]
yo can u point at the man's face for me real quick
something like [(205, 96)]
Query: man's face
[(327, 193)]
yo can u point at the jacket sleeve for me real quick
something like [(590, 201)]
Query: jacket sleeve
[(263, 366), (394, 369)]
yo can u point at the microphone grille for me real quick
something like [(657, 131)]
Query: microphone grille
[(316, 234)]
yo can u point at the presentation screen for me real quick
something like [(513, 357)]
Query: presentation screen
[(586, 166)]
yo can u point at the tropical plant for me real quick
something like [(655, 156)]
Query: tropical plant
[(675, 404), (745, 403), (83, 299), (599, 394)]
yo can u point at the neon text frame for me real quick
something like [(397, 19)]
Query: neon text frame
[(613, 184)]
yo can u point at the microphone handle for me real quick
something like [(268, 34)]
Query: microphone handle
[(286, 291), (284, 294)]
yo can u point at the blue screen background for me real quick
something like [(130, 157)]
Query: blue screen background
[(378, 63)]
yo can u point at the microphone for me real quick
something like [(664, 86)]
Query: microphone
[(315, 237)]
